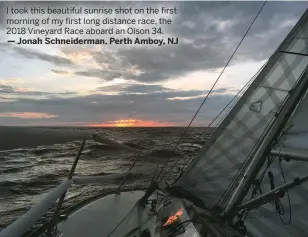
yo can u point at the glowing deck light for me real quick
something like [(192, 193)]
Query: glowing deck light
[(174, 217)]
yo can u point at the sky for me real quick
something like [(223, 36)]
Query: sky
[(138, 85)]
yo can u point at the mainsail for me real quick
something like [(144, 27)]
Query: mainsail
[(211, 174), (291, 210), (295, 135)]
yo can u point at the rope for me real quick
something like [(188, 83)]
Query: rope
[(259, 181), (278, 205), (289, 200), (210, 91), (132, 166)]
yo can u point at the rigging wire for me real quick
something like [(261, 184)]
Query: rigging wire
[(233, 100), (240, 172), (270, 174), (206, 128), (130, 169), (132, 165), (259, 181), (189, 159), (124, 218), (210, 91), (232, 185), (278, 205), (289, 200)]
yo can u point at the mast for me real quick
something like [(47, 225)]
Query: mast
[(216, 171), (266, 145), (236, 108)]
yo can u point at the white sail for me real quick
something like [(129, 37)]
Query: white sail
[(292, 144), (266, 220), (212, 171), (296, 131)]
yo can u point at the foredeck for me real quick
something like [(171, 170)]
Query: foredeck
[(104, 217)]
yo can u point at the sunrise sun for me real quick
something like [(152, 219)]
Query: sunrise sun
[(131, 123)]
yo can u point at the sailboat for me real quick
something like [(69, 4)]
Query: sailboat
[(249, 179)]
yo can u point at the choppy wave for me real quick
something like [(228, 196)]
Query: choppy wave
[(26, 174)]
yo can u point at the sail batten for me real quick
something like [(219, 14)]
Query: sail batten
[(234, 143)]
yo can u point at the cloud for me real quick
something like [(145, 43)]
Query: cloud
[(27, 115), (127, 88), (208, 32), (28, 92), (102, 74), (61, 72), (155, 90), (140, 107), (6, 89), (54, 59), (137, 83)]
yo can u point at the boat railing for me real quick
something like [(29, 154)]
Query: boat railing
[(20, 226), (25, 222)]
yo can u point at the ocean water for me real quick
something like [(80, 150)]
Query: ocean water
[(27, 174)]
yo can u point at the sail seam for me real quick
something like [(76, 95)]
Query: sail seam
[(279, 81), (213, 86), (272, 88), (272, 142), (237, 97)]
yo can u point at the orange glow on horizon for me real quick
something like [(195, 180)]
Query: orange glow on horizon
[(131, 123)]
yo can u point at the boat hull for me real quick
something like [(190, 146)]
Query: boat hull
[(120, 215)]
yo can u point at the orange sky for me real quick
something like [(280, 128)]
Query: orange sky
[(131, 123), (114, 123)]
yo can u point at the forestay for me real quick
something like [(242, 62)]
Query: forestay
[(210, 173)]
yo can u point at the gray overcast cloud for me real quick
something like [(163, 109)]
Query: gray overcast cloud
[(85, 85)]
